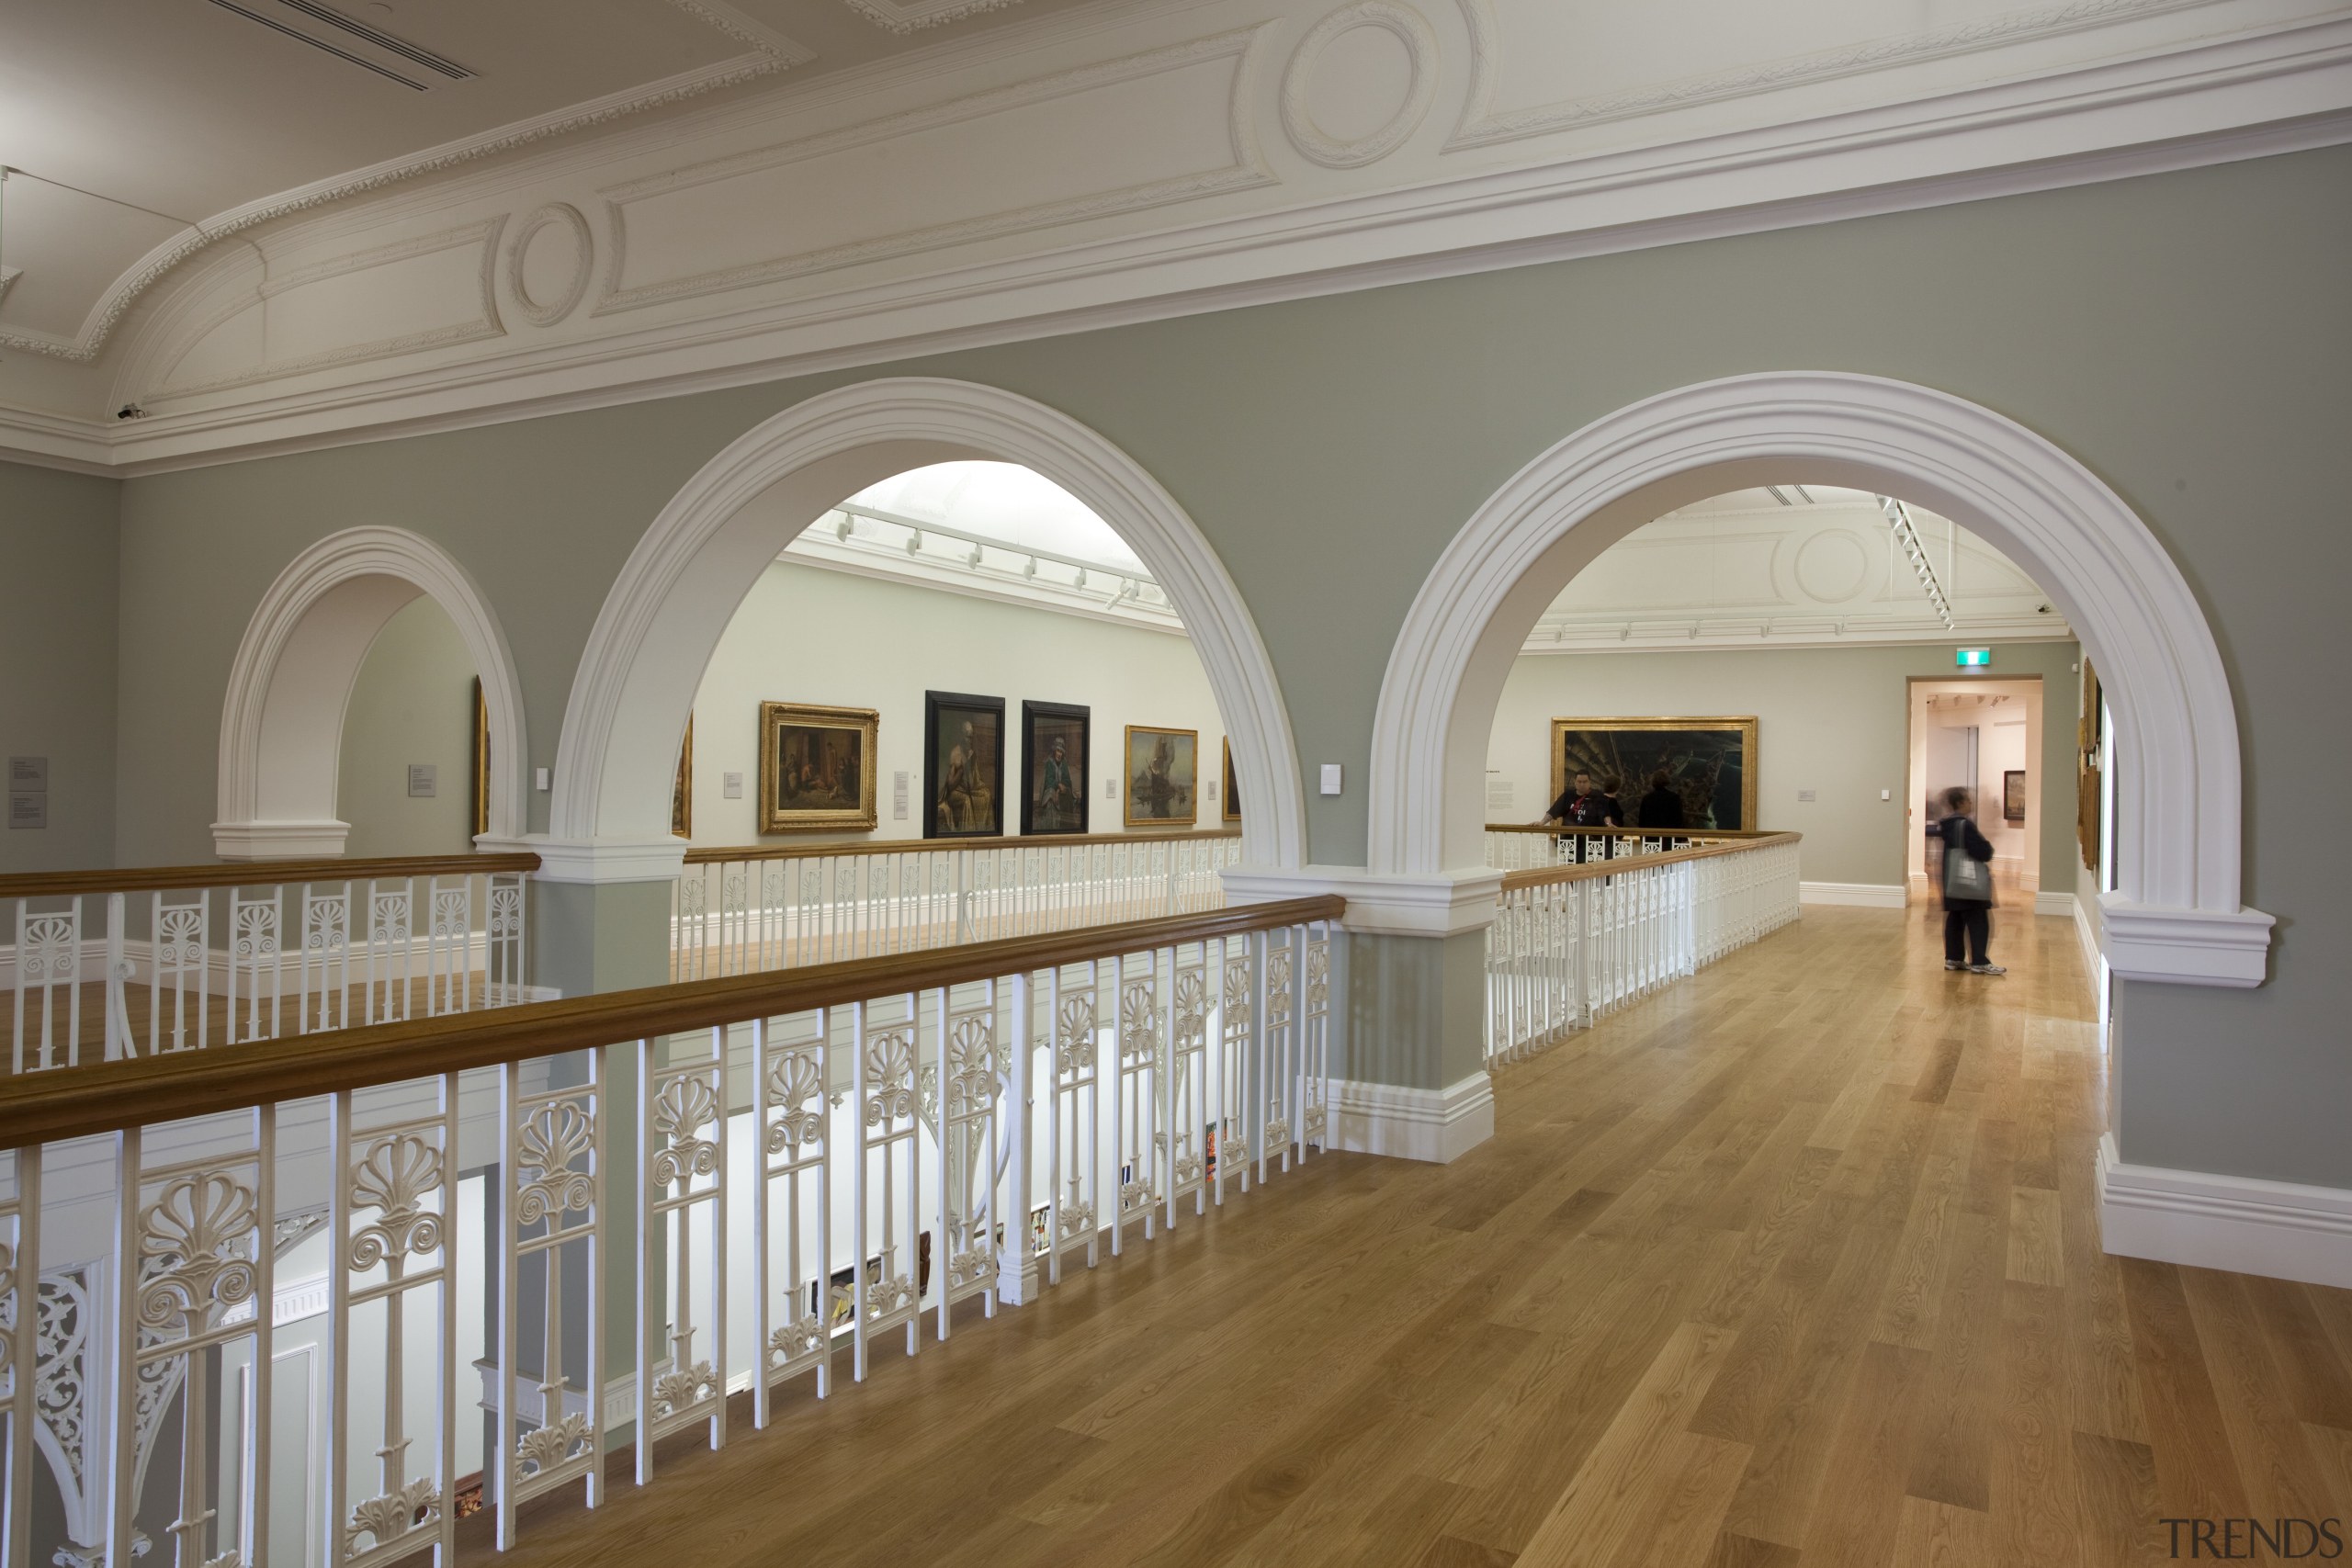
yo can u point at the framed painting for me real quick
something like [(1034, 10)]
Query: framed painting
[(2013, 794), (1710, 763), (963, 766), (1230, 798), (1163, 769), (1053, 767), (681, 788), (816, 767), (482, 761)]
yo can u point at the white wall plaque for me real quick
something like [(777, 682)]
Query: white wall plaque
[(28, 774), (423, 780)]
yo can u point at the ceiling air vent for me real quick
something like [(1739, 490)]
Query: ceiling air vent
[(370, 49)]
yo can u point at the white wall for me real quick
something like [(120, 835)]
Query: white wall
[(1834, 721), (807, 635), (2011, 734), (413, 702)]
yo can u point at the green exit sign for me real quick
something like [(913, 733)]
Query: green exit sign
[(1972, 658)]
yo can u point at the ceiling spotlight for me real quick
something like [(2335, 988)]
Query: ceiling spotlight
[(131, 411)]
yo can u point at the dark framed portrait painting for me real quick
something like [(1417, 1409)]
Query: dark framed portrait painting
[(1053, 767), (2013, 794), (1163, 771), (816, 768), (1710, 763), (682, 787), (963, 765), (1231, 800)]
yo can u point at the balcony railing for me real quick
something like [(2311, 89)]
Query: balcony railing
[(1513, 846), (109, 964), (1571, 942), (244, 1293), (741, 911)]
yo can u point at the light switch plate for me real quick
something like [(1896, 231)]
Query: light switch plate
[(543, 781), (1331, 774)]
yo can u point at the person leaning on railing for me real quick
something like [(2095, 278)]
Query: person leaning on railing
[(1581, 805)]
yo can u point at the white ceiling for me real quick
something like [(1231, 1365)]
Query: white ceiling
[(132, 120), (1794, 565)]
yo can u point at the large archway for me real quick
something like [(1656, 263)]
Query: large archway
[(2174, 914), (659, 625), (281, 728)]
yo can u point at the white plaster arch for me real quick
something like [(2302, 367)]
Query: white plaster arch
[(281, 726), (646, 655), (2175, 915)]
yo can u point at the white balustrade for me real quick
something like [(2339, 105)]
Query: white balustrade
[(1516, 847), (102, 967), (240, 1336), (740, 912), (1572, 943)]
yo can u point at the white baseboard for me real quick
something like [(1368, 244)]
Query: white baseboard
[(1864, 894), (2087, 932), (2059, 904), (1436, 1124), (2281, 1229)]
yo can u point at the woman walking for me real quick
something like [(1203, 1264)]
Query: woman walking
[(1968, 887)]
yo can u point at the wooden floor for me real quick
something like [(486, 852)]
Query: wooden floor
[(1796, 1263)]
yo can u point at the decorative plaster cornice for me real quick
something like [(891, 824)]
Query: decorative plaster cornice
[(1481, 127), (547, 312), (772, 53), (916, 15), (1401, 22), (1246, 170)]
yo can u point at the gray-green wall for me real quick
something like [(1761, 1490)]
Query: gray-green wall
[(57, 559), (413, 702), (2185, 335), (1834, 721)]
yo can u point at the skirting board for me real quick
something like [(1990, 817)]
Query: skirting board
[(2086, 932), (2059, 904), (1435, 1125), (2281, 1229), (1866, 895)]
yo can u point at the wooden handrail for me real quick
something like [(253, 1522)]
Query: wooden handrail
[(77, 1102), (254, 874), (1551, 875), (1640, 832), (716, 853)]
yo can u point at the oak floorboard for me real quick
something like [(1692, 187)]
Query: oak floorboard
[(1794, 1263)]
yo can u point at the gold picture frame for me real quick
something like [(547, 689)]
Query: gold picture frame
[(818, 768), (681, 788), (1697, 752), (1230, 805), (1163, 786)]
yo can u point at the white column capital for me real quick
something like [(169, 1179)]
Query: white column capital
[(596, 859), (2183, 947), (1437, 904)]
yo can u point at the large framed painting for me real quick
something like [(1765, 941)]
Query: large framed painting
[(963, 765), (482, 761), (816, 768), (1231, 801), (1053, 767), (1163, 770), (1710, 763), (681, 788)]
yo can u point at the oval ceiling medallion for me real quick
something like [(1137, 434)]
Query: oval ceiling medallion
[(547, 263), (1358, 83), (1832, 567)]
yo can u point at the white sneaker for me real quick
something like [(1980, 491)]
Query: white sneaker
[(1986, 969), (1954, 964)]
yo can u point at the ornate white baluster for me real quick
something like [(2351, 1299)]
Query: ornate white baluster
[(390, 910), (448, 945), (1281, 1047), (1237, 1019), (887, 1284), (790, 1097), (1136, 1110), (1315, 1066), (177, 978), (552, 1159), (971, 1075), (1074, 1135), (391, 1232), (504, 938), (682, 1163), (1186, 1090), (19, 1345), (326, 959), (193, 1277), (49, 970)]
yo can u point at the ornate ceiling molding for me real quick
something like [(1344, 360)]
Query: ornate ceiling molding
[(1482, 126), (904, 17), (558, 214), (1410, 29), (770, 52)]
